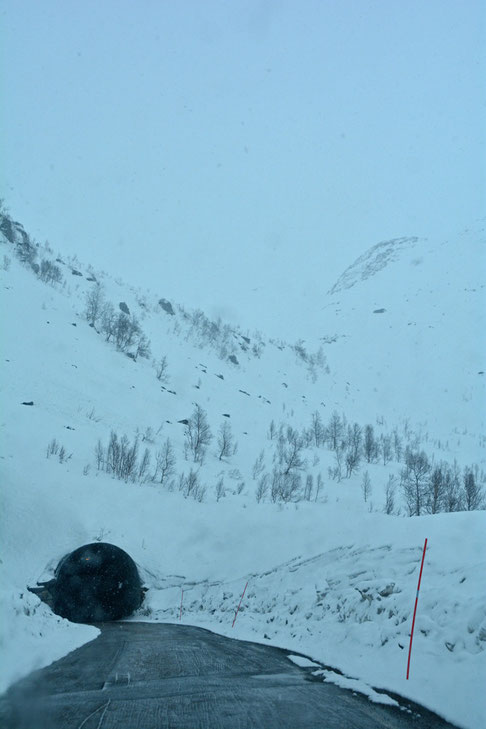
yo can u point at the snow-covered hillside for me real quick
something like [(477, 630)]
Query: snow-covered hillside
[(329, 574), (409, 318)]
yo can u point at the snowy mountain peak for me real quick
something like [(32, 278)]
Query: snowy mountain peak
[(372, 261)]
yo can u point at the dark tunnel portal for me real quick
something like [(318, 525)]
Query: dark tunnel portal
[(96, 583)]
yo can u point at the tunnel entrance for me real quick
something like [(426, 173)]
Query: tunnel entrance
[(95, 583)]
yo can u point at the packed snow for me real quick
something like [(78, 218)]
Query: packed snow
[(357, 686), (331, 577)]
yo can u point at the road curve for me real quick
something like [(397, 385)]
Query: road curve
[(162, 676)]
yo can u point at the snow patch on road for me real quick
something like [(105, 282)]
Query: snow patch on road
[(357, 685)]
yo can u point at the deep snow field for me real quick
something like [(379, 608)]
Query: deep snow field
[(333, 578)]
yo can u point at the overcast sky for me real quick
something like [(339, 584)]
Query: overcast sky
[(238, 155)]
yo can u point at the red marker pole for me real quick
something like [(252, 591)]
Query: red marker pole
[(180, 614), (415, 609), (234, 620)]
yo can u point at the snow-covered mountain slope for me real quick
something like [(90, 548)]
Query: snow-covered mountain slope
[(409, 318), (316, 569)]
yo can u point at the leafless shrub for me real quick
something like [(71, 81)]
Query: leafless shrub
[(120, 458), (370, 445), (473, 492), (414, 480), (397, 445), (385, 448), (142, 348), (161, 368), (166, 462), (285, 487), (198, 434), (95, 303), (319, 485), (275, 485), (291, 486), (219, 489), (191, 486), (49, 272), (355, 439), (262, 488), (309, 487), (390, 491), (56, 449), (317, 429), (307, 437), (226, 444), (452, 495), (366, 486), (336, 472), (434, 490), (144, 466), (335, 431), (52, 448), (117, 326), (258, 466), (92, 416), (191, 483), (126, 331), (352, 460), (108, 319), (290, 452), (99, 455)]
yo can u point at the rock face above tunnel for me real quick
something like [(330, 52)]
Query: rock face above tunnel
[(96, 583)]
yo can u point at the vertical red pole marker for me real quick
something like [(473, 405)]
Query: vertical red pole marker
[(180, 614), (234, 620), (415, 609)]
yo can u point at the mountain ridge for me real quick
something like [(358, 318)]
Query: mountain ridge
[(372, 261)]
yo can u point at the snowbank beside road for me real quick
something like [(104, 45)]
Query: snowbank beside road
[(351, 608)]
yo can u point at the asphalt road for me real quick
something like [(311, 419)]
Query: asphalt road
[(160, 676)]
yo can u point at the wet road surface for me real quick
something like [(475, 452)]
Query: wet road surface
[(161, 676)]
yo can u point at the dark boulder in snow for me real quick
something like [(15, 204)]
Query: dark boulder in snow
[(96, 583), (167, 306), (124, 308)]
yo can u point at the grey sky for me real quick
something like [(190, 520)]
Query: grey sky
[(238, 155)]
